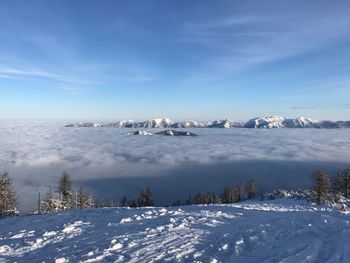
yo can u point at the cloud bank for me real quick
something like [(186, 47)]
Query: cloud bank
[(110, 162)]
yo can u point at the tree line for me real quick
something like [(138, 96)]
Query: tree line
[(324, 190), (65, 198), (328, 190), (230, 194)]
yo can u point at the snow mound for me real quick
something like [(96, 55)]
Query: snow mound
[(175, 133), (140, 132)]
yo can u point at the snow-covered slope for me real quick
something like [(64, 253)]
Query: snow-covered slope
[(259, 122), (140, 133), (280, 230), (163, 133), (282, 122)]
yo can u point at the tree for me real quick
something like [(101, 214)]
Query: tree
[(239, 193), (51, 203), (189, 200), (133, 203), (98, 203), (337, 187), (227, 195), (346, 182), (84, 199), (321, 186), (7, 195), (145, 197), (124, 202), (65, 191), (208, 198), (197, 199), (176, 203), (252, 189)]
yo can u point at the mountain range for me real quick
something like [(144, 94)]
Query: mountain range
[(259, 122)]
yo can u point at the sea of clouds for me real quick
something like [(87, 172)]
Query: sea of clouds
[(111, 163)]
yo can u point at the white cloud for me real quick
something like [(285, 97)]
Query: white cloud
[(13, 72), (238, 42), (36, 153)]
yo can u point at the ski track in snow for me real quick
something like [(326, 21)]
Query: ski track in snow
[(281, 230)]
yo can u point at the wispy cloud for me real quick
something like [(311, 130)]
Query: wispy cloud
[(308, 107), (225, 22), (250, 40), (17, 72)]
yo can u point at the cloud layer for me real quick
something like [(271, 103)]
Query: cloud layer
[(36, 153)]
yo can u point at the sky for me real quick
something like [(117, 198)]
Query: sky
[(200, 60)]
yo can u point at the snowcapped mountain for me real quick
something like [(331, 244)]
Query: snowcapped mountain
[(175, 133), (164, 133), (225, 123), (141, 133), (84, 124), (278, 230), (189, 124), (282, 122), (155, 123), (259, 122)]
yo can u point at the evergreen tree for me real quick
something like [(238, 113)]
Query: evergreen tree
[(239, 193), (176, 203), (346, 182), (145, 197), (208, 198), (98, 203), (337, 187), (51, 203), (227, 195), (321, 186), (110, 202), (197, 198), (252, 189), (65, 191), (84, 199), (7, 195), (124, 202), (189, 200), (133, 203)]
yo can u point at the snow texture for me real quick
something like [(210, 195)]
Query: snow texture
[(280, 230)]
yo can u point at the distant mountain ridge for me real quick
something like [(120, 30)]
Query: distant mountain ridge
[(259, 122)]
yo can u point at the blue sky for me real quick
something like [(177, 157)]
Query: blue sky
[(182, 59)]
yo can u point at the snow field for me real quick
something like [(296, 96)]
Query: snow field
[(281, 230)]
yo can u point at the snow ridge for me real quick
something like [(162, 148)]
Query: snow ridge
[(259, 122)]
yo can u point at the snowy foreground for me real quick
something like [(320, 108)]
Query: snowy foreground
[(281, 230)]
